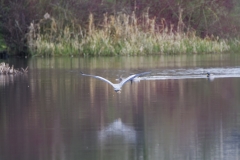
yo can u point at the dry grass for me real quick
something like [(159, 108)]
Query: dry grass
[(117, 35)]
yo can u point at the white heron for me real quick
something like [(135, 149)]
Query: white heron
[(117, 87)]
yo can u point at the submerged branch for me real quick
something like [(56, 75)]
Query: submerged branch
[(5, 69)]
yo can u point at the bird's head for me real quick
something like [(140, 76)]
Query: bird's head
[(208, 74), (118, 90)]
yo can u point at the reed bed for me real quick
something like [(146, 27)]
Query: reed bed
[(117, 35)]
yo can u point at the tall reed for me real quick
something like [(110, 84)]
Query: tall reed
[(121, 34)]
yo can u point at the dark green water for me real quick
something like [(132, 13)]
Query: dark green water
[(54, 113)]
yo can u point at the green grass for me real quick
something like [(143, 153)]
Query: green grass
[(234, 45), (118, 35)]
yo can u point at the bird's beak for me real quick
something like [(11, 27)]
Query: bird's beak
[(119, 91)]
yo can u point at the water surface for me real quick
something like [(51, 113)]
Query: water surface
[(176, 112)]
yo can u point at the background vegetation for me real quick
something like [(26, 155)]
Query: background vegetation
[(204, 18), (2, 44)]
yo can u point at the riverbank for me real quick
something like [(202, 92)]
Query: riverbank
[(120, 35), (108, 28)]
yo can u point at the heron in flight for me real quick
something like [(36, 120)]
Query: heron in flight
[(117, 87)]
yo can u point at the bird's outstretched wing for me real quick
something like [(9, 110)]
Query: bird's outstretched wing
[(98, 77), (132, 77)]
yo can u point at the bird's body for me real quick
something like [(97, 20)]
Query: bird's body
[(117, 87), (209, 75)]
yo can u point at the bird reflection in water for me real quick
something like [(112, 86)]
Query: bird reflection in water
[(117, 131)]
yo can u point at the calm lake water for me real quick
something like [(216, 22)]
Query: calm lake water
[(175, 113)]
